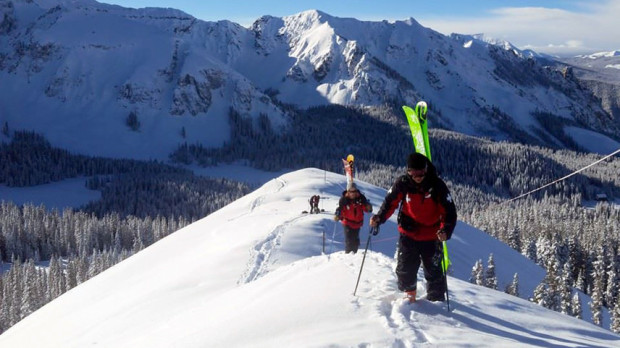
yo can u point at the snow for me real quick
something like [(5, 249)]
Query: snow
[(253, 275), (58, 195), (613, 66), (592, 141)]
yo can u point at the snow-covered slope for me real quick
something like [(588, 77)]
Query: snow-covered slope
[(75, 71), (253, 275)]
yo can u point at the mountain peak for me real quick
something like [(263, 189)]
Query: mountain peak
[(312, 14), (308, 19)]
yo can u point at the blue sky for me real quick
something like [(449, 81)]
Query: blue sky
[(561, 27)]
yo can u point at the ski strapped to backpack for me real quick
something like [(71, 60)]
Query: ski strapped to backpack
[(349, 169), (419, 128), (419, 132)]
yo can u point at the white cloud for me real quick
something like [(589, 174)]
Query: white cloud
[(555, 31)]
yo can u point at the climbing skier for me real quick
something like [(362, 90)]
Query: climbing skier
[(427, 217), (314, 204), (350, 212)]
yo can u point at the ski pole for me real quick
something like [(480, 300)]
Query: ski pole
[(323, 240), (370, 233), (445, 262), (331, 245)]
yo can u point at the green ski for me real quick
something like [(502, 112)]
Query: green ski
[(421, 108), (419, 128), (416, 129)]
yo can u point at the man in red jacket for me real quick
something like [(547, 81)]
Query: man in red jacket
[(350, 212), (427, 217)]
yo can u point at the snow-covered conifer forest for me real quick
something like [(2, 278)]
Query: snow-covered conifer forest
[(560, 228)]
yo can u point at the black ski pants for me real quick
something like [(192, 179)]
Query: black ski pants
[(351, 239), (410, 254)]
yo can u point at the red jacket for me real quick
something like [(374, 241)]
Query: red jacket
[(424, 208), (351, 211)]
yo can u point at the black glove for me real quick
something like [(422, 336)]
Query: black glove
[(374, 230)]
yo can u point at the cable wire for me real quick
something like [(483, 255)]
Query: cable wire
[(563, 178)]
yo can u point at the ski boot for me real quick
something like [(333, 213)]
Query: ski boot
[(410, 295)]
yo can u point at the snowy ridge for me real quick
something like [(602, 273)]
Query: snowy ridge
[(252, 274), (615, 53), (485, 40)]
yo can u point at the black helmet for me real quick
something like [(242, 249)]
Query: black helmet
[(417, 161)]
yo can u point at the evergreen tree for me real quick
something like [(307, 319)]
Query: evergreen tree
[(513, 287), (581, 281), (575, 259), (554, 284), (540, 295), (576, 306), (56, 279), (615, 317), (596, 305), (71, 274), (566, 292), (544, 251), (514, 239), (530, 251), (477, 274), (30, 300), (490, 277), (613, 281)]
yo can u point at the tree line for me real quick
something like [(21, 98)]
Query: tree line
[(141, 202), (77, 245), (482, 174)]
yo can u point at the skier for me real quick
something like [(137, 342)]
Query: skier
[(427, 217), (349, 169), (350, 212), (314, 204)]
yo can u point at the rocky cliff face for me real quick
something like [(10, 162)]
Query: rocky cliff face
[(600, 74)]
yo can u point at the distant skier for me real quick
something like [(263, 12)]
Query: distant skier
[(427, 217), (314, 204), (350, 212), (349, 169)]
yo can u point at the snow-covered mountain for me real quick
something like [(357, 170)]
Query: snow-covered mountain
[(82, 73), (600, 73), (253, 275), (76, 70)]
